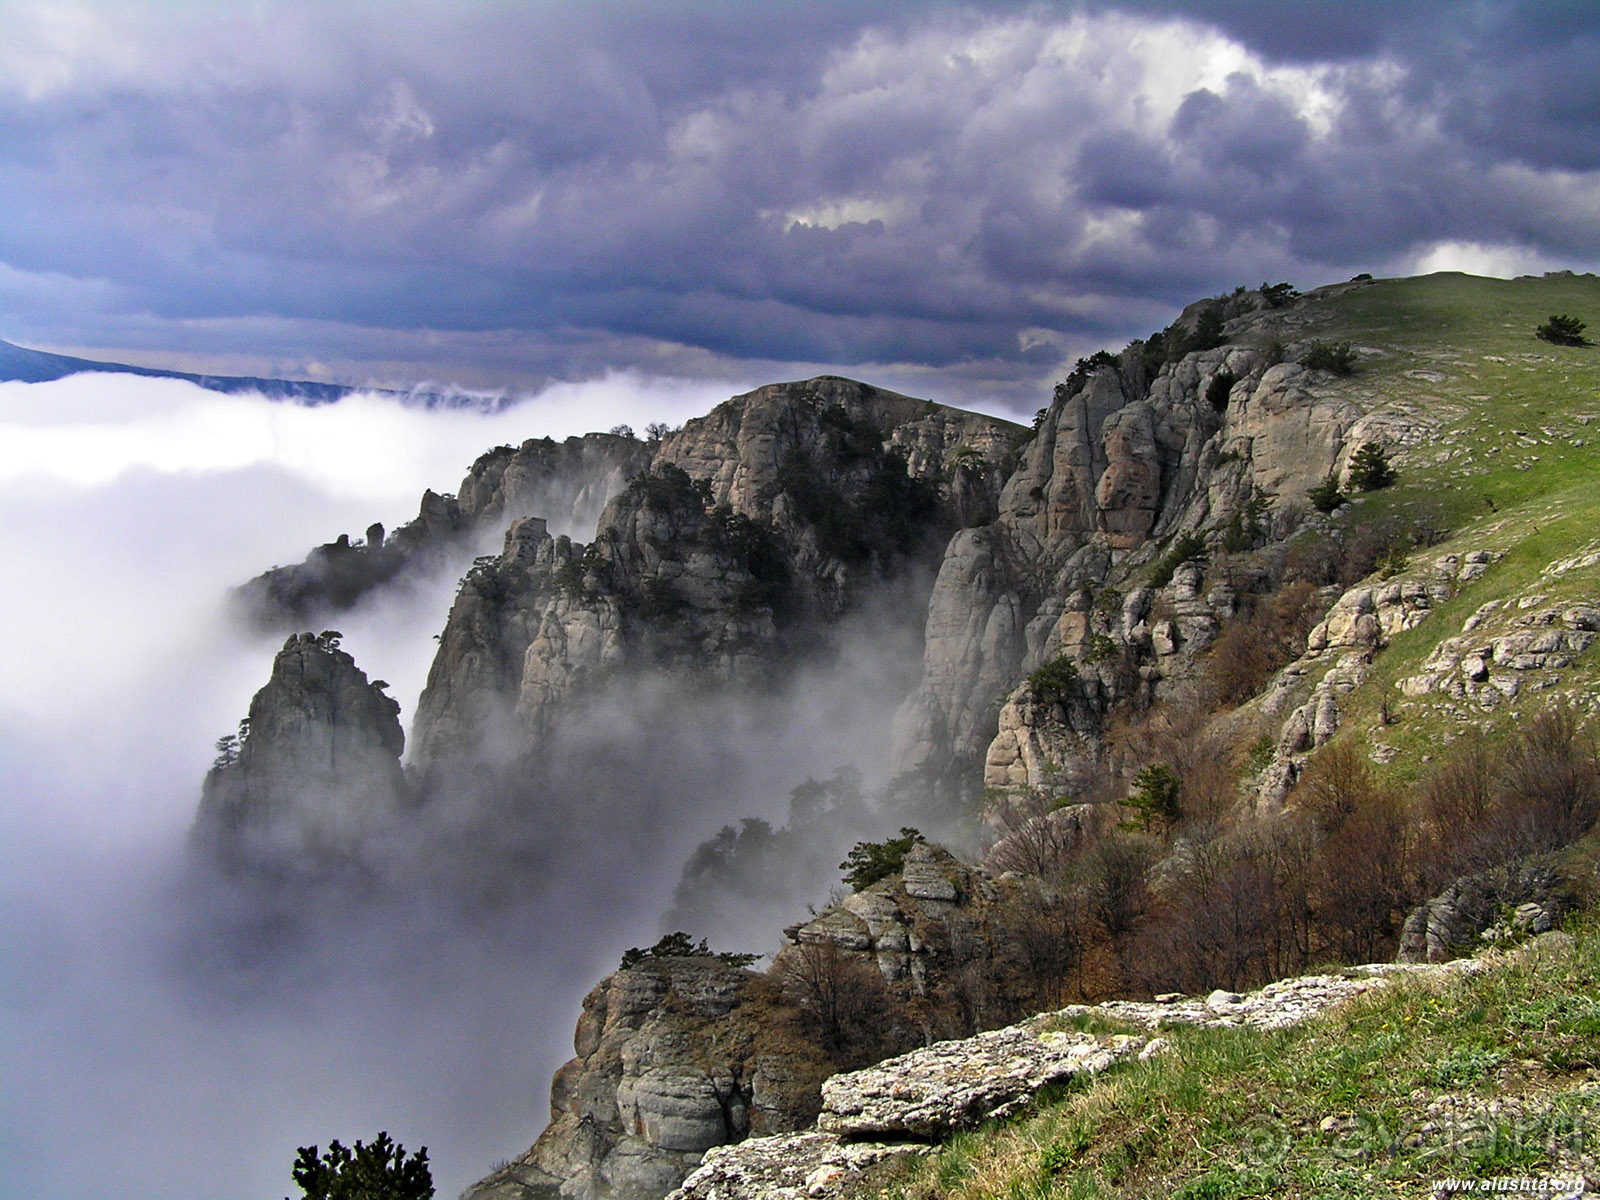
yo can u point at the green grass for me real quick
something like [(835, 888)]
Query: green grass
[(1499, 438), (1376, 1099)]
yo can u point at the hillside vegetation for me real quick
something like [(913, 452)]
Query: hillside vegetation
[(1496, 1074), (1485, 1075)]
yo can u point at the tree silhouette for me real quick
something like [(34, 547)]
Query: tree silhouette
[(378, 1171)]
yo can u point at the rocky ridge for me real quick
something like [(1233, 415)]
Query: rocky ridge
[(566, 483), (756, 528), (727, 555)]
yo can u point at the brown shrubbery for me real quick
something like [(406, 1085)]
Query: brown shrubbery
[(1483, 809), (1082, 908), (1267, 632), (1206, 903)]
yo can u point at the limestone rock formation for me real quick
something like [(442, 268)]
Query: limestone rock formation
[(566, 483), (931, 1093), (316, 773), (674, 1056), (756, 528), (905, 926), (1453, 923), (1113, 471)]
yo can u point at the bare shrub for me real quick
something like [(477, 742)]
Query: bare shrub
[(1033, 837), (1548, 790), (1116, 881), (1266, 633), (1363, 879), (1335, 784), (1289, 846), (1456, 803), (1222, 910), (844, 1002), (1361, 890), (1542, 792), (1046, 933)]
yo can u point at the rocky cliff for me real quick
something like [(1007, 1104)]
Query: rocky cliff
[(566, 483), (755, 530), (674, 1055), (1113, 474), (314, 774)]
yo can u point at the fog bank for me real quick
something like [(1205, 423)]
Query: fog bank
[(127, 507)]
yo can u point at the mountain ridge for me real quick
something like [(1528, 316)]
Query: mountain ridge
[(22, 364), (1172, 653)]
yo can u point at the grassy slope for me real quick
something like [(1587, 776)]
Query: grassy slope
[(1504, 434), (1496, 1074), (1502, 445)]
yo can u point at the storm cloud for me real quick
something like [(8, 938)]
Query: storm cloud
[(950, 199)]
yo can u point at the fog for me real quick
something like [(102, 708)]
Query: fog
[(127, 507), (154, 1041)]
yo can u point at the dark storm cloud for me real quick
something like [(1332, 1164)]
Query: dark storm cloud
[(859, 185)]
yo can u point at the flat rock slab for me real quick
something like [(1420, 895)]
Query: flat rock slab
[(930, 1093), (1275, 1006), (788, 1166)]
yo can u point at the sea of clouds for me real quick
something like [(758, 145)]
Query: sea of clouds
[(128, 507)]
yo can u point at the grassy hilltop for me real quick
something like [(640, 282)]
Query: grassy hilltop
[(1502, 436)]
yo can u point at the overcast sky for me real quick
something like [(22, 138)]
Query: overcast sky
[(950, 198)]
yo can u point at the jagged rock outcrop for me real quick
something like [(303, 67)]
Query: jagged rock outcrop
[(1500, 650), (931, 1093), (678, 1055), (906, 926), (1113, 471), (757, 527), (316, 772), (566, 483), (673, 1056), (1305, 695)]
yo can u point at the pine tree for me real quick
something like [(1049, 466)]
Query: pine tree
[(379, 1171), (1370, 469)]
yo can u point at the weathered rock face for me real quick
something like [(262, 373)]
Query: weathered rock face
[(1456, 920), (906, 926), (757, 527), (931, 1093), (1306, 695), (674, 1056), (1112, 471), (566, 483), (318, 771)]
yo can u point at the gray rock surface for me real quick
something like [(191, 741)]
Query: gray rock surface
[(931, 1093), (318, 772), (673, 1056)]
